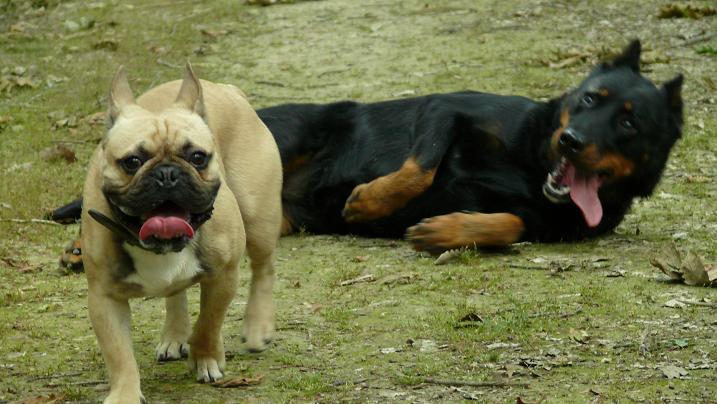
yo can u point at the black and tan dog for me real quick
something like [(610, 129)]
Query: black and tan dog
[(477, 169), (185, 179)]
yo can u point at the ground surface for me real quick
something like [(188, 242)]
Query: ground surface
[(575, 322)]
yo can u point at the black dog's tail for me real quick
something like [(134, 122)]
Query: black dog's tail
[(67, 214)]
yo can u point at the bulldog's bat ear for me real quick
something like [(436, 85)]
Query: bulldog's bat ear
[(630, 57), (120, 94), (190, 94)]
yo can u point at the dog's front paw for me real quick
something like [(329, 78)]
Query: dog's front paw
[(367, 202), (208, 369), (172, 350), (133, 396), (438, 234)]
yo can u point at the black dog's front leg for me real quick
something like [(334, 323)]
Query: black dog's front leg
[(434, 132)]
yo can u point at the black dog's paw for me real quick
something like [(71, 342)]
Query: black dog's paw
[(71, 258)]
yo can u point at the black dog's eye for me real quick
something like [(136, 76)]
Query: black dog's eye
[(627, 124), (198, 159), (588, 100), (131, 164)]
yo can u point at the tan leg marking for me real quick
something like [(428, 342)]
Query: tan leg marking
[(385, 195), (455, 230)]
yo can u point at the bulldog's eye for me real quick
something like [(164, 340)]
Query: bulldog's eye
[(588, 100), (198, 159), (131, 164)]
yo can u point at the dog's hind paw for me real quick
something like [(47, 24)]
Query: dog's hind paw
[(258, 325), (171, 350)]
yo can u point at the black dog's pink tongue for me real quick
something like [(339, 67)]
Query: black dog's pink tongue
[(165, 228), (584, 193)]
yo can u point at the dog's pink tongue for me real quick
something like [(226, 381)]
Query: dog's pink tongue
[(165, 228), (584, 193)]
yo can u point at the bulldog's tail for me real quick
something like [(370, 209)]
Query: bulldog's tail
[(67, 214)]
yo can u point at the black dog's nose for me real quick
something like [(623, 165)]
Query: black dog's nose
[(166, 176), (571, 141)]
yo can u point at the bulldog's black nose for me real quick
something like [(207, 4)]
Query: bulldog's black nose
[(166, 176), (571, 141)]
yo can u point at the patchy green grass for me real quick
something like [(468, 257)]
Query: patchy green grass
[(574, 333)]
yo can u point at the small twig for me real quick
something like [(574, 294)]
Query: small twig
[(532, 267), (37, 221), (71, 141), (360, 279), (163, 63), (324, 73), (186, 17), (475, 384), (81, 383), (167, 4), (644, 348), (699, 39), (270, 83), (703, 304), (558, 315), (57, 376)]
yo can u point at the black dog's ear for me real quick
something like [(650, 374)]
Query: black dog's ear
[(630, 57), (673, 93)]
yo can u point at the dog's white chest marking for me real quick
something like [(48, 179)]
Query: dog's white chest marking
[(158, 274)]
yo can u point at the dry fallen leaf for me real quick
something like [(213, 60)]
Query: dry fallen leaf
[(213, 34), (401, 279), (261, 2), (448, 256), (698, 179), (238, 382), (58, 152), (22, 266), (579, 336), (694, 270), (51, 398), (97, 118), (107, 44), (674, 304), (17, 78), (471, 319), (673, 372), (685, 11), (690, 269)]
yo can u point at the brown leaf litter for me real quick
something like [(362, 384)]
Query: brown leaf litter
[(673, 10), (688, 269), (233, 382), (58, 152)]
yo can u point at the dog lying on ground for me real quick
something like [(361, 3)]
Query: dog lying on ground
[(473, 169), (186, 178)]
